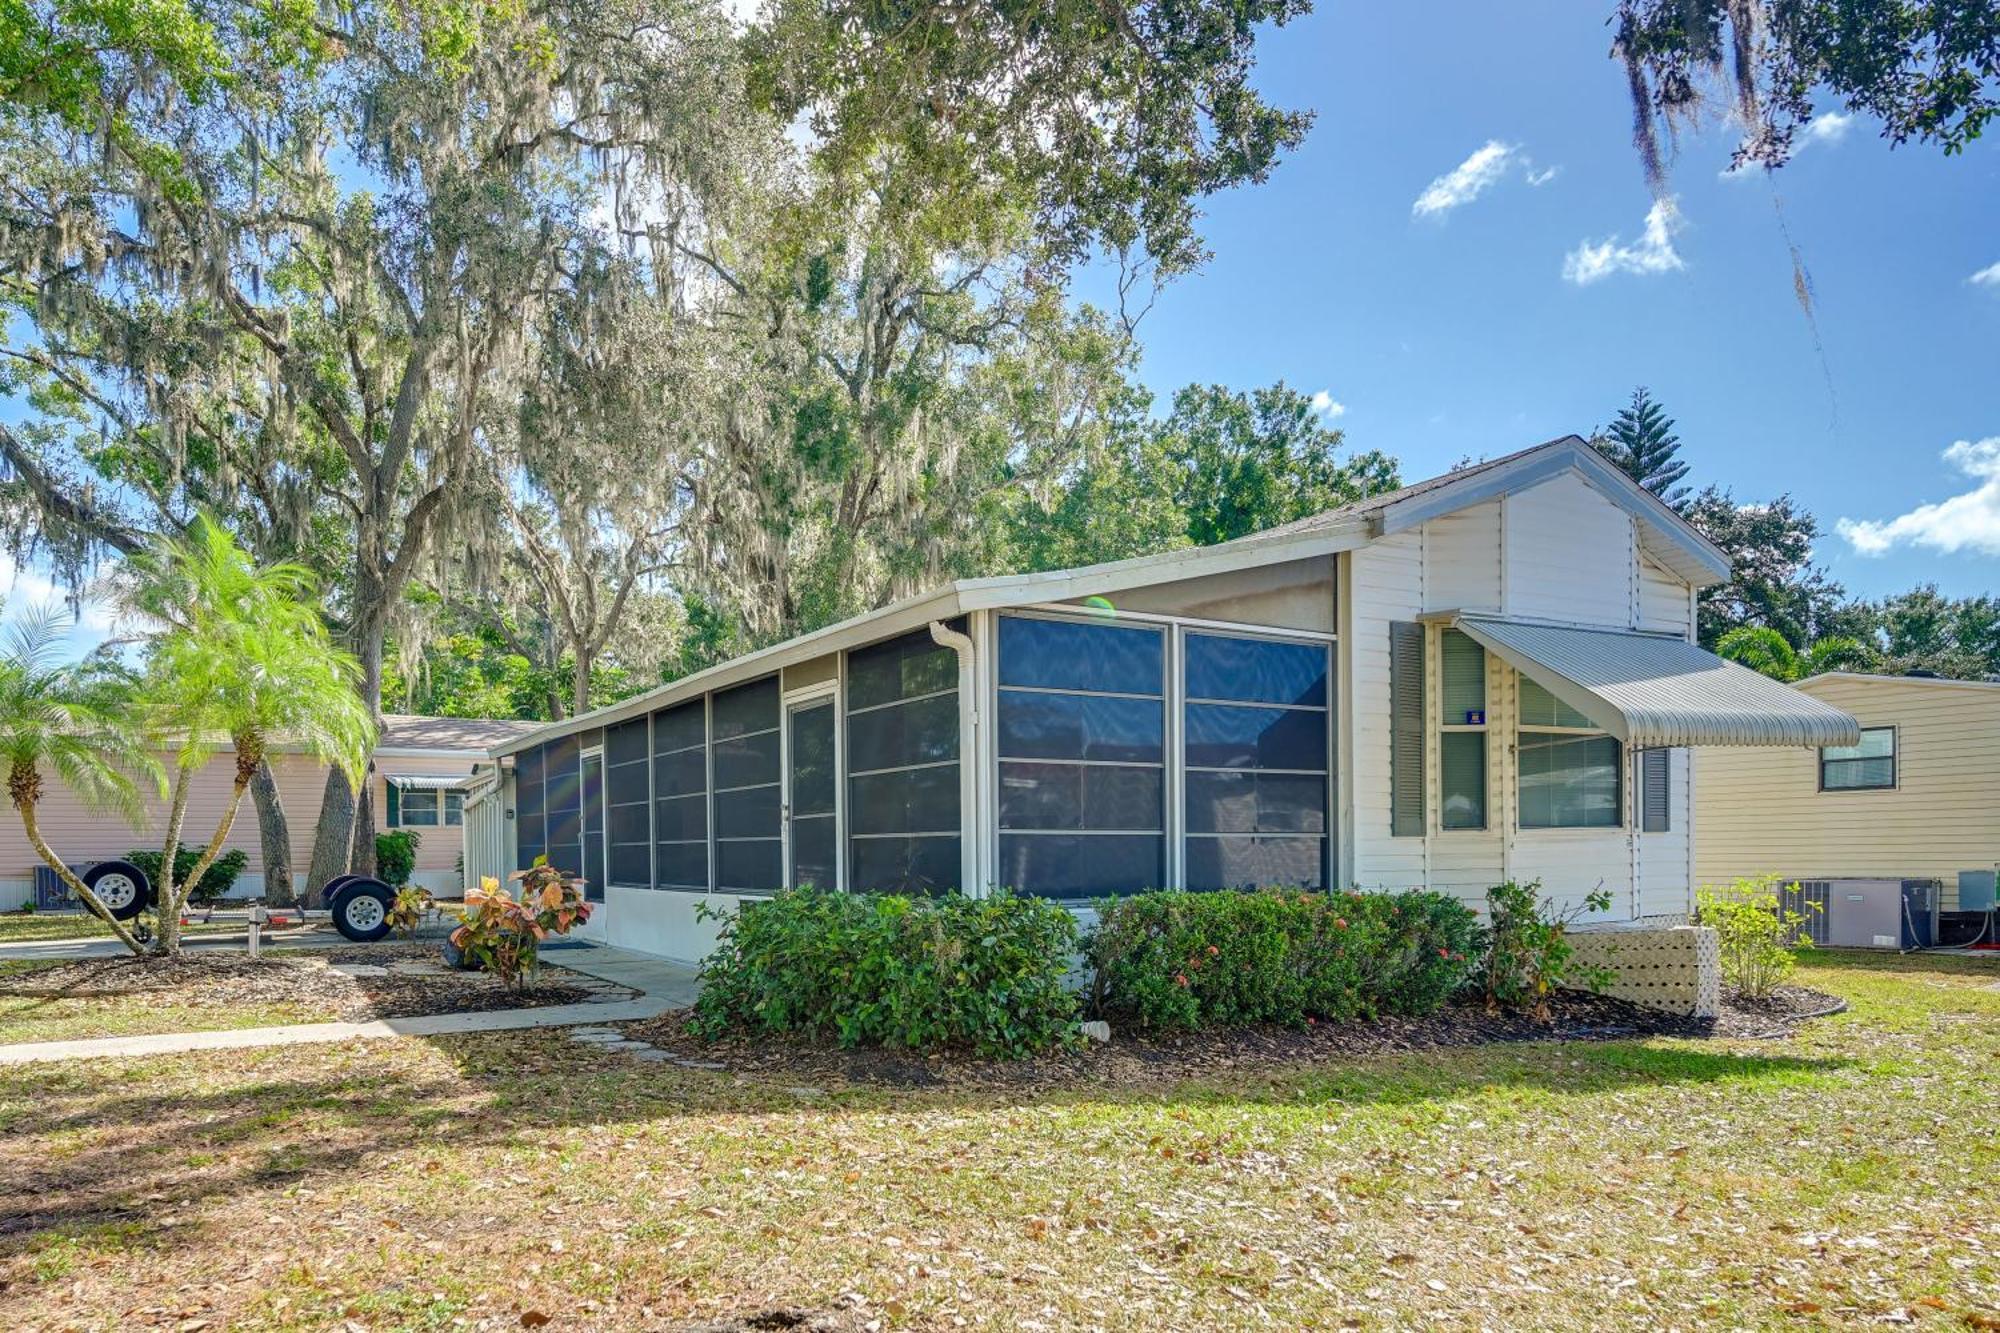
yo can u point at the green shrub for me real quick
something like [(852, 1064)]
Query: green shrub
[(1528, 954), (881, 969), (1178, 961), (216, 882), (396, 855), (1755, 931)]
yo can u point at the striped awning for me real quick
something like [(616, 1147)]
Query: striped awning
[(1651, 691), (430, 781)]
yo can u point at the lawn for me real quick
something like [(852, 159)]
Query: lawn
[(28, 927), (1848, 1175)]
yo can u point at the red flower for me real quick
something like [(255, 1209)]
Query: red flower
[(1341, 922), (1444, 953), (1180, 979), (1213, 951)]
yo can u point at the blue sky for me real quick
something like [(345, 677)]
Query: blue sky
[(1455, 331)]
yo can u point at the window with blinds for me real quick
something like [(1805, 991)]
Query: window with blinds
[(1461, 732), (1869, 766), (1570, 772)]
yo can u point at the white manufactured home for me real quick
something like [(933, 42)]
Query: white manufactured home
[(1487, 676)]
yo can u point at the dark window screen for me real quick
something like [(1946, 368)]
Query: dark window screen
[(902, 762)]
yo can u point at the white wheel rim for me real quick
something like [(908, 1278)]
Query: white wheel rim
[(116, 890), (363, 912)]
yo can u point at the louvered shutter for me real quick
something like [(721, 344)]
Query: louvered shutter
[(1406, 729), (1655, 773), (392, 805)]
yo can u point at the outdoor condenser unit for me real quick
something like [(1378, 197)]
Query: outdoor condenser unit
[(1871, 913)]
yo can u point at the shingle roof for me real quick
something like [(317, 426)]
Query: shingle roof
[(407, 731), (1373, 503)]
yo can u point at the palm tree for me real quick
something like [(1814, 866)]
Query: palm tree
[(57, 716), (242, 658), (1762, 648)]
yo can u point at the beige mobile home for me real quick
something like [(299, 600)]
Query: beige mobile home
[(1917, 799), (1485, 676)]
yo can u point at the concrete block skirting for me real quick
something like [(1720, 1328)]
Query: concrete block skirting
[(1673, 968)]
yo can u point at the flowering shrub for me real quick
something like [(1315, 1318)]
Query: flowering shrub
[(881, 969), (1756, 932), (503, 934), (1528, 955), (1177, 961)]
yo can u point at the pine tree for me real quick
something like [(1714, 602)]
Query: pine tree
[(1641, 441)]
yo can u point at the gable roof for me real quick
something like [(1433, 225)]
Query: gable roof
[(1663, 534), (475, 735)]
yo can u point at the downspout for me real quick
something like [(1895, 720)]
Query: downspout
[(971, 821)]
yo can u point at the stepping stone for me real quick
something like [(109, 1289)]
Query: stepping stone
[(416, 969), (653, 1055), (628, 1045), (700, 1064), (358, 969), (597, 1038)]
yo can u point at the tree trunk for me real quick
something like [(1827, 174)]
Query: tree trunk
[(167, 894), (336, 848), (274, 834), (363, 859), (331, 849), (68, 877), (580, 681)]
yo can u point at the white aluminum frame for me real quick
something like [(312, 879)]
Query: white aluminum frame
[(584, 755), (827, 694)]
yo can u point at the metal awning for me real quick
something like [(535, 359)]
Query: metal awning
[(1651, 691), (429, 781)]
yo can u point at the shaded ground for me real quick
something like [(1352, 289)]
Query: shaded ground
[(1845, 1176), (22, 927), (98, 997)]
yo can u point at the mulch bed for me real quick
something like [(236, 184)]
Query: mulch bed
[(210, 977), (1136, 1059)]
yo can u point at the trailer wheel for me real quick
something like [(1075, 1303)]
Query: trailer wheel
[(361, 909), (121, 886)]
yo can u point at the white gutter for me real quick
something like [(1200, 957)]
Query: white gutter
[(971, 821)]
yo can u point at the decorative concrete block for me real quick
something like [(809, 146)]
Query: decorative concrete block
[(1673, 968)]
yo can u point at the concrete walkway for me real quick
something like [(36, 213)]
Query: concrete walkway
[(662, 987)]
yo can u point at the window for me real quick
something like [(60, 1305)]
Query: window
[(745, 757), (680, 796), (1081, 733), (1462, 732), (627, 793), (1569, 770), (1869, 766), (1256, 725), (422, 807), (531, 837), (902, 766)]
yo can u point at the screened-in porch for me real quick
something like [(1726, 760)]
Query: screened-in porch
[(1067, 754)]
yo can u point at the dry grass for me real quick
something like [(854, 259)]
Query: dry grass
[(1848, 1175), (34, 927)]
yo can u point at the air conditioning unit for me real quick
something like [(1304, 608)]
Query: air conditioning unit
[(1868, 913)]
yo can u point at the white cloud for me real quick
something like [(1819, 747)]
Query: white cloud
[(1466, 181), (1327, 406), (1964, 522), (1653, 252), (1543, 176), (1987, 277)]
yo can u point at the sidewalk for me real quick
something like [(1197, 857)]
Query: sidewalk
[(662, 987)]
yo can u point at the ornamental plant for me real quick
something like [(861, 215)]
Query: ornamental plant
[(503, 934), (413, 903), (396, 855), (1528, 954), (1180, 961), (880, 969), (1756, 932)]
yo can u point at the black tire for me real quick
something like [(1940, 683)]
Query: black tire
[(121, 886), (361, 909)]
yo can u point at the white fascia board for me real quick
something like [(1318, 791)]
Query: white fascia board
[(896, 618), (1664, 535), (1167, 567)]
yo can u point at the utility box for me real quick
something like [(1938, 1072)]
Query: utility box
[(1975, 890), (1871, 913)]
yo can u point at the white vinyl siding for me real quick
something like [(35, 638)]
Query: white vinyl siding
[(1385, 584), (1664, 604), (1570, 556)]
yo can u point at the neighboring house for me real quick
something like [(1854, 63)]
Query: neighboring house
[(1917, 799), (1487, 676), (420, 770)]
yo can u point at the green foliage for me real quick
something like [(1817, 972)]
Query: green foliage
[(1757, 933), (396, 855), (1641, 441), (408, 910), (1528, 955), (216, 881), (985, 974), (1773, 581), (1925, 70), (503, 934), (1765, 650), (1179, 961)]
